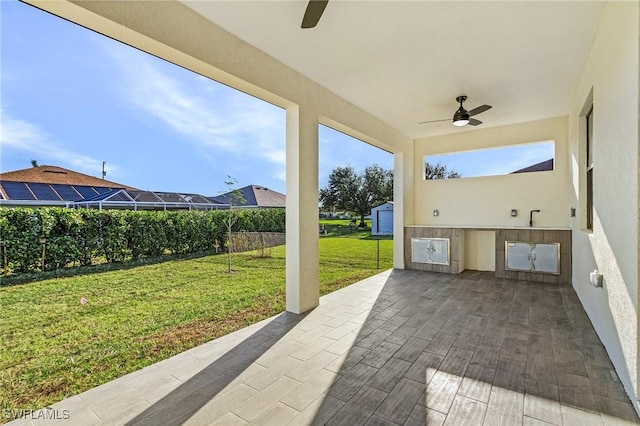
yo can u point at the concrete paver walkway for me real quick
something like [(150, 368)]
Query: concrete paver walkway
[(399, 348)]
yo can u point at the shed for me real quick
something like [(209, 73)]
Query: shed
[(382, 219)]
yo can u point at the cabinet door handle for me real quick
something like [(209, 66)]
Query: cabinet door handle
[(533, 256)]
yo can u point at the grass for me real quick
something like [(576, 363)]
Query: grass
[(343, 222), (54, 347), (340, 227)]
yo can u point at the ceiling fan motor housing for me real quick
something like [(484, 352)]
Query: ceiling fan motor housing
[(461, 116)]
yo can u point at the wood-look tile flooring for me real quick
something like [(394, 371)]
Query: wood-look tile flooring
[(399, 348)]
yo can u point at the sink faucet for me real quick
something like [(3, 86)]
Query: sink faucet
[(531, 216)]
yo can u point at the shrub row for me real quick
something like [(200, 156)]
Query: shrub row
[(57, 237)]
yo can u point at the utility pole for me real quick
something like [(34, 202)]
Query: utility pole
[(104, 170)]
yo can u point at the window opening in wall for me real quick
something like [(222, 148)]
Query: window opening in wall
[(356, 185), (589, 163), (504, 160), (356, 204)]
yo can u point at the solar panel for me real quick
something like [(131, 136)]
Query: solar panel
[(67, 192), (43, 191), (86, 191), (17, 191)]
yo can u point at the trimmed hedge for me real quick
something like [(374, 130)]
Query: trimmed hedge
[(83, 237)]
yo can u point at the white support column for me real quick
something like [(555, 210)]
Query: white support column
[(402, 203), (302, 256)]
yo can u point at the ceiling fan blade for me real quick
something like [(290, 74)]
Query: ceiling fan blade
[(478, 110), (434, 121), (474, 122), (314, 11)]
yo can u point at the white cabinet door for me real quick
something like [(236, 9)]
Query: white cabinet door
[(430, 250), (439, 251), (546, 257), (518, 256)]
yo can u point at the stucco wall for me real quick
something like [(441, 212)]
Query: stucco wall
[(487, 201), (480, 250), (612, 73)]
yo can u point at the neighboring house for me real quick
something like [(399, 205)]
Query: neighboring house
[(57, 175), (253, 196), (50, 186), (382, 219)]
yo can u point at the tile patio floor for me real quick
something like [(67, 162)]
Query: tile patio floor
[(399, 348)]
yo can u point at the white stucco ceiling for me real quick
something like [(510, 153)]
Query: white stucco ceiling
[(406, 61)]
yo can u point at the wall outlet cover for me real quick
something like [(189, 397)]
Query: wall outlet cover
[(596, 279)]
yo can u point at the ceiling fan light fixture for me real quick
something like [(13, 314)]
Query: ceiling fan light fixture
[(461, 117)]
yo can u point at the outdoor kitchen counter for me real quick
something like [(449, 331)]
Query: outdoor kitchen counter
[(464, 248), (493, 227)]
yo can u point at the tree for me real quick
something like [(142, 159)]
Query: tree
[(34, 163), (357, 193), (234, 198), (439, 171)]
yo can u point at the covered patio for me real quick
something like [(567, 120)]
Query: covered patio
[(399, 348), (465, 346)]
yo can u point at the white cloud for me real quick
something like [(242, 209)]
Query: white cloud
[(278, 156), (21, 135), (209, 116)]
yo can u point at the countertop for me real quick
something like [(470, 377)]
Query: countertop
[(494, 227)]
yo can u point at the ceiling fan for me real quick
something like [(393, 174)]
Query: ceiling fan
[(462, 117), (314, 11)]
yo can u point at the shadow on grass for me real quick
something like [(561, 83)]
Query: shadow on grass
[(362, 235), (378, 237), (30, 277)]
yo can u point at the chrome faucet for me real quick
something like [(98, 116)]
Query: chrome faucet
[(531, 216)]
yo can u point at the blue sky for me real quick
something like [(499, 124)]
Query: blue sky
[(73, 98)]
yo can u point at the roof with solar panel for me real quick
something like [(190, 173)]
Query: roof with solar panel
[(56, 186), (52, 185), (58, 175)]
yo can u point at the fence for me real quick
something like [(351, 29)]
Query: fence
[(247, 241)]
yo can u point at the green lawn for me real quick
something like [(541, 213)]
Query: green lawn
[(342, 222), (341, 227), (54, 347)]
